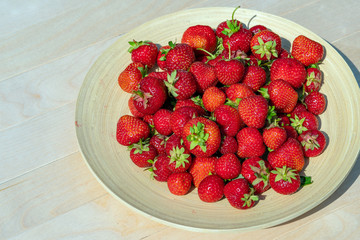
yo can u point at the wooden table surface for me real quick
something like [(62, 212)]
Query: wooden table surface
[(47, 47)]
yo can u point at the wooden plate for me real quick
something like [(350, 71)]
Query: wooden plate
[(101, 102)]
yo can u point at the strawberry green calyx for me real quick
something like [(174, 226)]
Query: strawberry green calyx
[(178, 156), (141, 96), (198, 137), (143, 71), (271, 115), (140, 147), (268, 49), (264, 92), (152, 168), (166, 50), (232, 24), (309, 141), (285, 174), (170, 83), (198, 101), (249, 198), (305, 180), (233, 104), (261, 173), (297, 124), (134, 45)]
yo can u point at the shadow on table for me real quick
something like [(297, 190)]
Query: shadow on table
[(354, 173)]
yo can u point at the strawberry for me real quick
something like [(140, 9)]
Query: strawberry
[(228, 27), (159, 75), (161, 58), (162, 121), (180, 117), (239, 41), (289, 70), (289, 154), (313, 80), (158, 141), (179, 183), (144, 52), (212, 98), (133, 109), (236, 92), (284, 180), (254, 77), (130, 130), (284, 53), (201, 136), (283, 120), (181, 84), (228, 145), (257, 28), (228, 119), (228, 166), (274, 137), (253, 111), (313, 142), (149, 119), (178, 56), (239, 194), (205, 75), (282, 96), (200, 36), (142, 152), (201, 168), (180, 159), (304, 121), (159, 169), (193, 102), (265, 45), (229, 71), (306, 50), (315, 103), (211, 189), (291, 132), (299, 107), (172, 142), (130, 78), (250, 143), (257, 172), (151, 95)]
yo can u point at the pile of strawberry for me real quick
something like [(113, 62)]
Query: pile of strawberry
[(226, 110)]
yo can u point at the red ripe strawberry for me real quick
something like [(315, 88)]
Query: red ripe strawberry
[(228, 145), (252, 61), (228, 166), (133, 109), (250, 143), (190, 103), (228, 27), (239, 41), (213, 60), (149, 119), (257, 172), (253, 111), (205, 75), (282, 96), (304, 121), (313, 80), (158, 141), (180, 159), (254, 77), (265, 45), (212, 98), (291, 132), (313, 142), (201, 136), (161, 58), (211, 189), (284, 180), (238, 91), (171, 143), (289, 70), (200, 36), (315, 103), (144, 52), (151, 95), (160, 170), (180, 117), (201, 168), (284, 54), (162, 121), (178, 56), (289, 154), (257, 28), (129, 78), (181, 84), (283, 120), (229, 71), (239, 194), (299, 107), (159, 75), (141, 153), (228, 119), (179, 183), (130, 130), (307, 51), (274, 137)]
